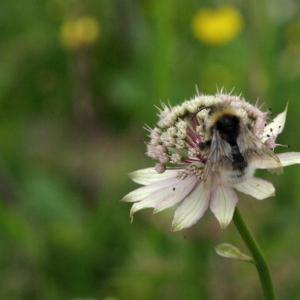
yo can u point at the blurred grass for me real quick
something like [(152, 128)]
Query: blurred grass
[(71, 121)]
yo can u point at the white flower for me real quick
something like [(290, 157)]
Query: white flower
[(190, 178)]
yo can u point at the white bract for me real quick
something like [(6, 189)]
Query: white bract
[(181, 176)]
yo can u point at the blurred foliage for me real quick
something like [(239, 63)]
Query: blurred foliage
[(78, 81)]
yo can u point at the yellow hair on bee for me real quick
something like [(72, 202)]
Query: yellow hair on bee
[(219, 112)]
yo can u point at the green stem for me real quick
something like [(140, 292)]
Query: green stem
[(257, 255)]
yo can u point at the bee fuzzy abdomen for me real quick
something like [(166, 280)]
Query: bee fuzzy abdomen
[(239, 162)]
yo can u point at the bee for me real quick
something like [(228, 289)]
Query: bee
[(233, 150)]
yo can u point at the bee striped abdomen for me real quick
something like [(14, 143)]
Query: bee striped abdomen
[(238, 160)]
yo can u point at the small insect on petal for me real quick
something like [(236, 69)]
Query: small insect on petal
[(142, 192), (178, 193), (156, 196), (192, 208)]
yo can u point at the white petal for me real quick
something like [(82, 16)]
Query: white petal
[(192, 208), (276, 126), (257, 188), (289, 158), (177, 193), (142, 192), (158, 195), (222, 204), (149, 175), (286, 159)]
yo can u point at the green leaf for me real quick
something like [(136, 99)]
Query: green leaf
[(230, 251)]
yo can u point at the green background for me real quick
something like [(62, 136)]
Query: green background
[(71, 128)]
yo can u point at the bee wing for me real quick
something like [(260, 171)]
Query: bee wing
[(267, 159), (220, 152), (253, 149)]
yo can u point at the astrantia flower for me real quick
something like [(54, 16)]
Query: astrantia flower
[(201, 163)]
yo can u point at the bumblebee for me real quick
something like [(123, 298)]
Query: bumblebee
[(233, 150)]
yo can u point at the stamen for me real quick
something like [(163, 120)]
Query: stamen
[(286, 146), (274, 136)]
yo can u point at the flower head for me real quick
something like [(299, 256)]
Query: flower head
[(207, 147), (217, 27), (80, 31)]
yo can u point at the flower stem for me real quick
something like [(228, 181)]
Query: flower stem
[(257, 255)]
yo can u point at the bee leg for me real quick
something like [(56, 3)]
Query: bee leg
[(204, 145)]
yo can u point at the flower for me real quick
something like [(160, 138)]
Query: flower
[(192, 170), (217, 27), (292, 37), (80, 31)]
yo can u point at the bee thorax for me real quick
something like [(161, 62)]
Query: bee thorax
[(228, 127)]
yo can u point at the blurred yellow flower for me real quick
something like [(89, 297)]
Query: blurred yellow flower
[(77, 32), (292, 36), (217, 27)]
